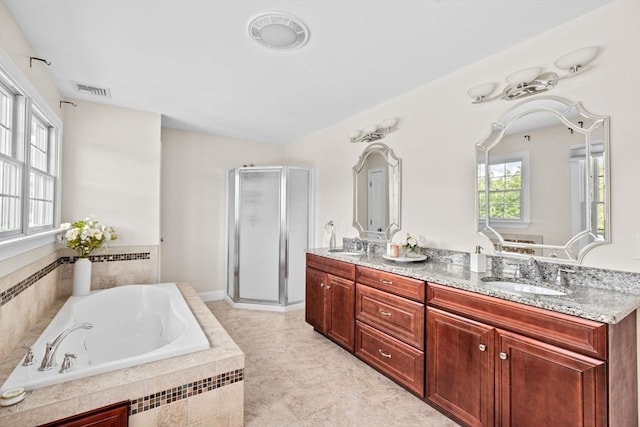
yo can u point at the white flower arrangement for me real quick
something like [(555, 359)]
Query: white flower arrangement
[(86, 235), (409, 242)]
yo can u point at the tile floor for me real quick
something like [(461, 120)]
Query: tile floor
[(296, 377)]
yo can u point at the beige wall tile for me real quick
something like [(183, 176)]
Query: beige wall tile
[(231, 397), (144, 419), (174, 414), (203, 406)]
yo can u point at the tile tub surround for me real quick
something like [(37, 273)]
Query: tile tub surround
[(202, 388), (28, 292), (589, 300)]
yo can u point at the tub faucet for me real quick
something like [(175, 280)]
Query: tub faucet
[(49, 359)]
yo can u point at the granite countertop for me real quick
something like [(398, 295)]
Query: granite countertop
[(582, 300)]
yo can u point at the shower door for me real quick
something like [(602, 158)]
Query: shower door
[(268, 231)]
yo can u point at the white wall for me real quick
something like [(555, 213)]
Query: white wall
[(111, 170), (194, 170), (16, 46), (439, 128)]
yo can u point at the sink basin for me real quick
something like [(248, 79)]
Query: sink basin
[(343, 252), (522, 288)]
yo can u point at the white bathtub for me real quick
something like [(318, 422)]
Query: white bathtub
[(132, 325)]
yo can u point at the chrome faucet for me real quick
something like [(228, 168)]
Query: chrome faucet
[(536, 268), (358, 244), (49, 359)]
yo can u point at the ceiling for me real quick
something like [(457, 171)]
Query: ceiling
[(193, 61)]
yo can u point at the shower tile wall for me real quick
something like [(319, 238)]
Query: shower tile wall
[(28, 292)]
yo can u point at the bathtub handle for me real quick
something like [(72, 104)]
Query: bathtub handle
[(67, 363)]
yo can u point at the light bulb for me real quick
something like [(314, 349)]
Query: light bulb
[(523, 76), (370, 129), (481, 91), (576, 59), (354, 134), (388, 123)]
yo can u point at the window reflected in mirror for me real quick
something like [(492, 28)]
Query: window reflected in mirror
[(542, 177)]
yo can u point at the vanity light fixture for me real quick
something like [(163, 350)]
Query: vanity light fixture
[(373, 133), (531, 81)]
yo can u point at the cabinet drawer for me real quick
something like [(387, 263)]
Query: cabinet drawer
[(389, 282), (580, 335), (392, 357), (397, 316), (332, 266)]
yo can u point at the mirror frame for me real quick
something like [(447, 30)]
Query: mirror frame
[(498, 130), (395, 189)]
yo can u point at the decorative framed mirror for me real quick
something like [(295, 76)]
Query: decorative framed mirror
[(377, 193), (542, 185)]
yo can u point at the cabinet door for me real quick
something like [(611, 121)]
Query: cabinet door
[(315, 299), (341, 295), (539, 384), (460, 359), (115, 415)]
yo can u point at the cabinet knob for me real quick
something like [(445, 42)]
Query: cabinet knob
[(482, 347), (383, 354), (503, 356), (322, 285), (386, 282), (328, 287)]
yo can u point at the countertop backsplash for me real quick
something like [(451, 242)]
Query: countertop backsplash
[(505, 266)]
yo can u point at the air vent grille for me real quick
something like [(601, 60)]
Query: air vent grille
[(88, 89)]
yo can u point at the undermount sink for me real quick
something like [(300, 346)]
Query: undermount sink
[(343, 252), (523, 288)]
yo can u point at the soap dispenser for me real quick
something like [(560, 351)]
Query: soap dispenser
[(478, 262), (330, 228)]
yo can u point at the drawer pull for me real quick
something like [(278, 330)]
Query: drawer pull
[(384, 313), (383, 354), (386, 282), (503, 356), (322, 285), (482, 347)]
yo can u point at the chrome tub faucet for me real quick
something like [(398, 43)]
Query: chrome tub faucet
[(49, 359)]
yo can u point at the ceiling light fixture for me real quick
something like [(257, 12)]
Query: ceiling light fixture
[(278, 30), (373, 133), (531, 81)]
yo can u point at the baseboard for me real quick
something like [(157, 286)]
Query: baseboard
[(211, 296)]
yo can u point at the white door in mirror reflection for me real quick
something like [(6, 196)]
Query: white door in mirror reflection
[(376, 200)]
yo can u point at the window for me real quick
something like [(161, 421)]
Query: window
[(29, 150), (599, 193), (506, 187)]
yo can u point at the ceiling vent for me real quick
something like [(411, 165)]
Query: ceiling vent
[(278, 30), (88, 89)]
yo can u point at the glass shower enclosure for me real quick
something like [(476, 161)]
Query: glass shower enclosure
[(268, 230)]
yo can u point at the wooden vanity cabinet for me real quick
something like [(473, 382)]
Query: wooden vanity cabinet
[(116, 415), (330, 299), (390, 325), (494, 362)]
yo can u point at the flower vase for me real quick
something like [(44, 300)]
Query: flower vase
[(81, 277)]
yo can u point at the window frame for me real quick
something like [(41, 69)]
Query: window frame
[(525, 190), (14, 242)]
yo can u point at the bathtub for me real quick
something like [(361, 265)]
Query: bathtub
[(132, 325)]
